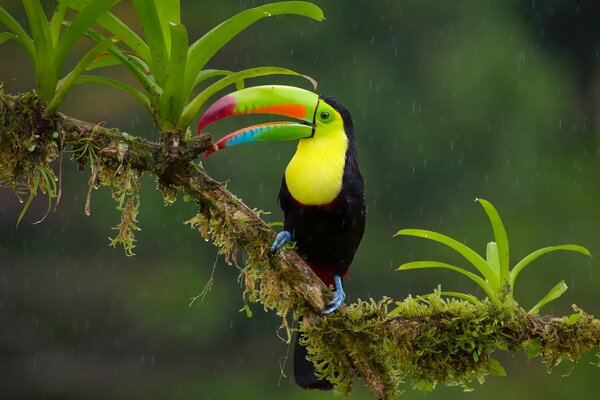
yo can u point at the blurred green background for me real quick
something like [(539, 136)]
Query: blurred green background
[(451, 100)]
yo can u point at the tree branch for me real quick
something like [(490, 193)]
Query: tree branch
[(429, 342)]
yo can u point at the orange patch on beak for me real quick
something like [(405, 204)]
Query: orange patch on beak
[(290, 110)]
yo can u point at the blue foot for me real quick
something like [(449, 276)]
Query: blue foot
[(282, 238), (338, 296)]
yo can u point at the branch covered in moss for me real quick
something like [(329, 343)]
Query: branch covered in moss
[(29, 139), (424, 341)]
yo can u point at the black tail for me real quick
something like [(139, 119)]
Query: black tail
[(304, 370)]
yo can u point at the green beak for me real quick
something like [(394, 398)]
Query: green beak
[(279, 100)]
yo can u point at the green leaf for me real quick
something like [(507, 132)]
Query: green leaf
[(65, 84), (19, 32), (436, 264), (531, 257), (136, 68), (573, 318), (207, 46), (139, 96), (125, 34), (210, 73), (32, 194), (247, 310), (194, 106), (495, 367), (552, 295), (104, 60), (534, 348), (50, 189), (132, 63), (474, 258), (57, 19), (119, 30), (491, 256), (396, 310), (45, 69), (169, 12), (86, 17), (459, 295), (172, 100), (4, 36), (107, 59), (500, 238), (148, 16), (463, 296)]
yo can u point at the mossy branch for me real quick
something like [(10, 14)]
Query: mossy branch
[(424, 341)]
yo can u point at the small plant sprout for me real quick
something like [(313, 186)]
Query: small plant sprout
[(48, 46), (497, 279), (45, 180)]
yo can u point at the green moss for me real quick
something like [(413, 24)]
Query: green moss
[(169, 192), (25, 158), (261, 281), (438, 341), (125, 190), (29, 143)]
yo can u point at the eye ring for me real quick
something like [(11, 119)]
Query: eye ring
[(324, 115)]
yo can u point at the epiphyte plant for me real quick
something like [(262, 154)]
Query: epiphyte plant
[(49, 45), (168, 68), (498, 279)]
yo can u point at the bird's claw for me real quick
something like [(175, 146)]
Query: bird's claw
[(282, 238), (336, 302), (338, 296)]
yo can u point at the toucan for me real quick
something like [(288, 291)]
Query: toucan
[(322, 191)]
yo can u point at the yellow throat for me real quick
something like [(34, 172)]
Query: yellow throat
[(314, 175)]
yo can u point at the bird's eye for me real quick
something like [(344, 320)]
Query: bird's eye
[(324, 115)]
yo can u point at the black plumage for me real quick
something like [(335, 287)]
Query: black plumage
[(327, 236)]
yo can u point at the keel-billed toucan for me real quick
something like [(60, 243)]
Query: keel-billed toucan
[(321, 195)]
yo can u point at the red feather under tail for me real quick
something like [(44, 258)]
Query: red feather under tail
[(325, 273)]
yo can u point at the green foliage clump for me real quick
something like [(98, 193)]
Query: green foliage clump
[(25, 159), (498, 279), (169, 69), (48, 46)]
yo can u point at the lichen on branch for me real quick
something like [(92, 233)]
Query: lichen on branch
[(425, 341)]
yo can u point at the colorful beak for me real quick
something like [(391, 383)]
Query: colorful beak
[(279, 100)]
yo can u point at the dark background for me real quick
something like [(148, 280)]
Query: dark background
[(451, 100)]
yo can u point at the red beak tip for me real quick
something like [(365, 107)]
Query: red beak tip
[(215, 147)]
